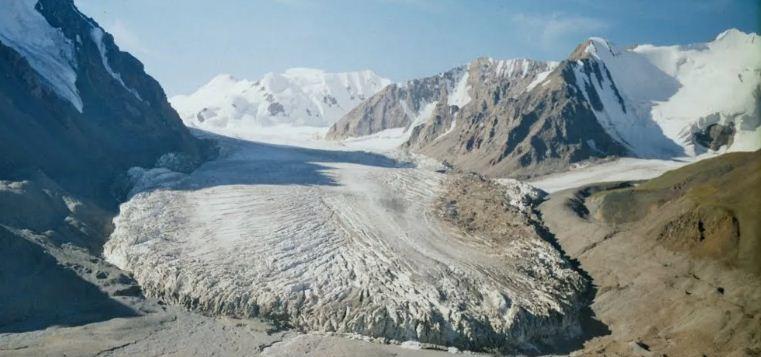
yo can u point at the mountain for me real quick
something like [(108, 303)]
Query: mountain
[(76, 114), (677, 100), (75, 107), (299, 96), (524, 118), (493, 116)]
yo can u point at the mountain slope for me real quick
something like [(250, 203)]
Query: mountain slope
[(74, 106), (299, 96), (688, 240), (708, 209), (400, 105), (523, 126), (75, 114), (663, 101)]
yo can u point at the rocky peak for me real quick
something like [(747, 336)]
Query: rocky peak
[(594, 47)]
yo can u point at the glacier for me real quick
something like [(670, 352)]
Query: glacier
[(334, 240)]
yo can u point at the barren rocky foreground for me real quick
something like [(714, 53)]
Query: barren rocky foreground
[(671, 279)]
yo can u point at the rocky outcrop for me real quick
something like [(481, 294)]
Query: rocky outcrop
[(714, 136)]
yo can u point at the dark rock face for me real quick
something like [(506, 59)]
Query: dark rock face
[(124, 122), (715, 136), (514, 125)]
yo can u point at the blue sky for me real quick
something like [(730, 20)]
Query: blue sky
[(185, 43)]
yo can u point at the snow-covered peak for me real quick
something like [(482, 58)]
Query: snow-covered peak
[(661, 94), (734, 34), (45, 47), (303, 72), (223, 80), (299, 96), (518, 67)]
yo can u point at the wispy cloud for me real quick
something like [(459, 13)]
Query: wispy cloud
[(127, 40), (551, 30)]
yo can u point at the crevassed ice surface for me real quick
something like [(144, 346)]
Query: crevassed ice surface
[(340, 241)]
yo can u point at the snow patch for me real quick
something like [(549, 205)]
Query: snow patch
[(97, 37), (424, 114), (540, 77), (460, 96), (623, 169)]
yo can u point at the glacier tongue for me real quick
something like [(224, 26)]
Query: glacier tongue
[(46, 48), (347, 242)]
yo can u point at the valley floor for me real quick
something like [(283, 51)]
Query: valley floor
[(286, 231)]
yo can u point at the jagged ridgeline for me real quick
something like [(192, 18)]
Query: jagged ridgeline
[(75, 108), (524, 118)]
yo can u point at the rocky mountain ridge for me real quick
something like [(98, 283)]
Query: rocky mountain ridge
[(602, 101)]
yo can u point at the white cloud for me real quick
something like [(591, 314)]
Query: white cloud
[(552, 30), (126, 39)]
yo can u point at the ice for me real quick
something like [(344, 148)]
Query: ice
[(333, 239), (623, 169), (460, 96), (627, 86)]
